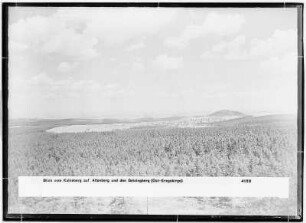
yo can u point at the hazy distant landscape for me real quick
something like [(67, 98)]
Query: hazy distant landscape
[(172, 122), (224, 143)]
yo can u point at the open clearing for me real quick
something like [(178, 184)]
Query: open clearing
[(187, 122)]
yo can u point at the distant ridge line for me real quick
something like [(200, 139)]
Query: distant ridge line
[(227, 113)]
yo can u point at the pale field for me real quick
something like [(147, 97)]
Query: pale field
[(189, 122)]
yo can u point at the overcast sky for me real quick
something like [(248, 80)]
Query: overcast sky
[(104, 62)]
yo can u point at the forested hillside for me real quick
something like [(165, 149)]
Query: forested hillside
[(245, 147)]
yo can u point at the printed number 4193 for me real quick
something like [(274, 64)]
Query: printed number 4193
[(246, 181)]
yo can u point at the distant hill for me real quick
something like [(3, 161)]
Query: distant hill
[(262, 120), (223, 113)]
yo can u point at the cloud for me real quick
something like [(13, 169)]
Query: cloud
[(42, 96), (214, 24), (38, 85), (280, 43), (166, 62), (280, 65), (78, 33), (72, 45), (283, 81), (116, 26), (41, 79), (42, 86), (65, 67), (138, 66), (231, 50), (273, 62), (235, 49), (223, 25), (50, 35), (135, 46)]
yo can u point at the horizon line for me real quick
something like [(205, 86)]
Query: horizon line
[(134, 116)]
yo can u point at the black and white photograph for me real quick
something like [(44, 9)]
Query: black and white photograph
[(154, 110)]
